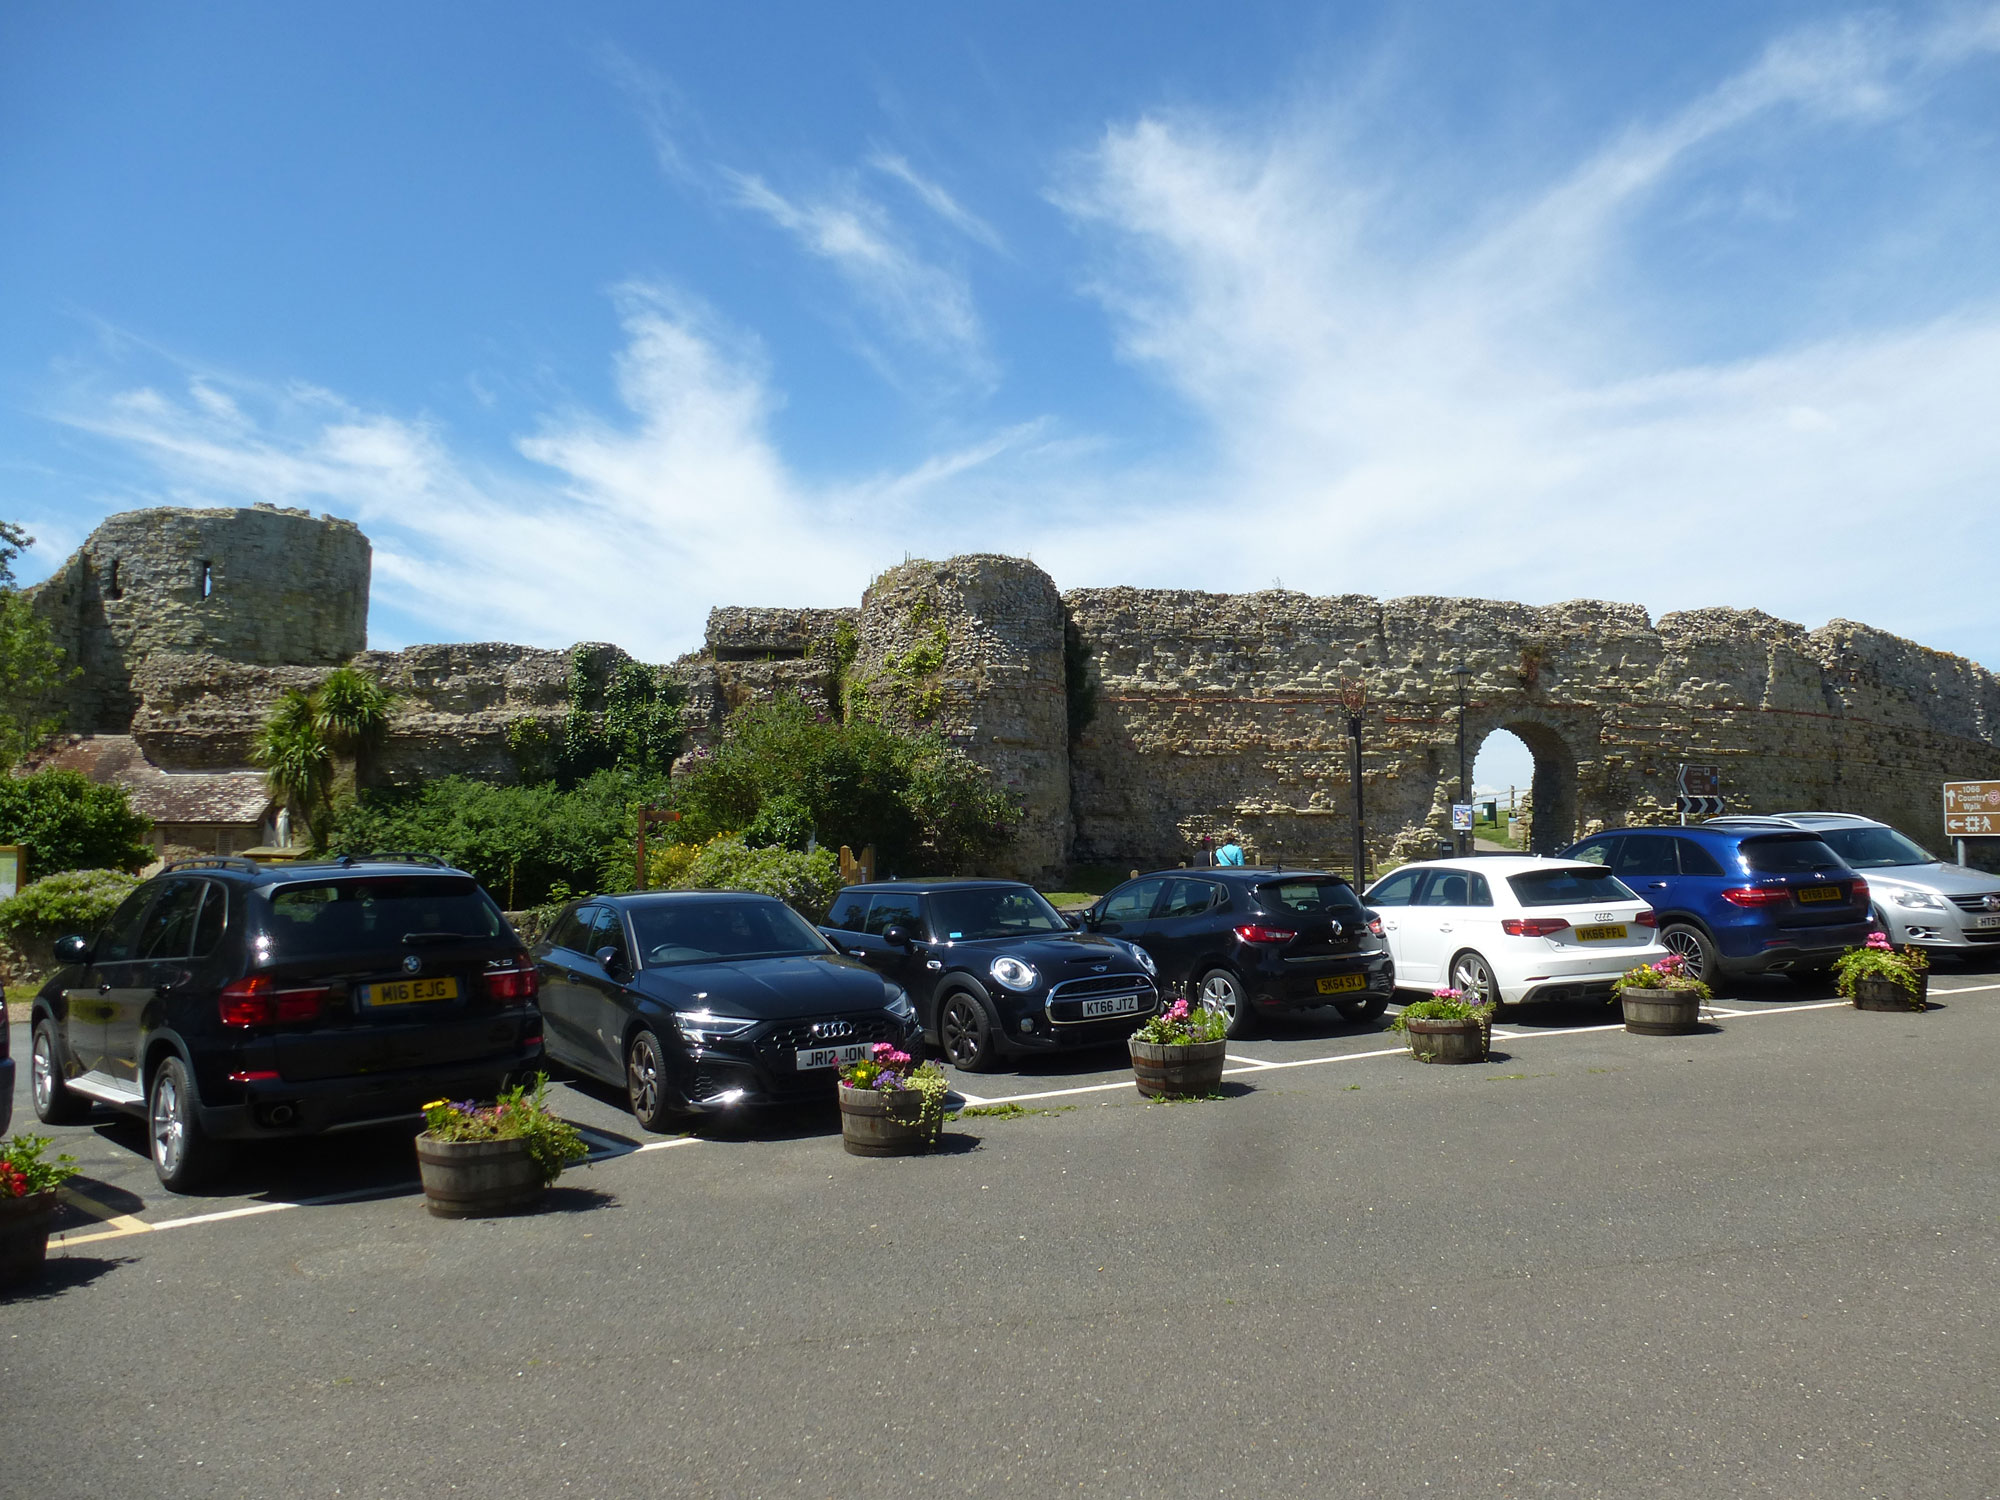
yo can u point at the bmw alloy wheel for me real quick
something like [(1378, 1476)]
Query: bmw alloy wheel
[(167, 1120), (42, 1071)]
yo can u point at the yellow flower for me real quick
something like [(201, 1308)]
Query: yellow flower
[(436, 1102)]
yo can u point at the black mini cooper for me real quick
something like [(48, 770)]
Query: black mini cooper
[(992, 968)]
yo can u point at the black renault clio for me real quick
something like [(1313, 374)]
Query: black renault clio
[(226, 1000), (992, 969)]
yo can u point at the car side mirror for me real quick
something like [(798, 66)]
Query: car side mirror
[(608, 960), (73, 949), (1075, 920), (896, 937)]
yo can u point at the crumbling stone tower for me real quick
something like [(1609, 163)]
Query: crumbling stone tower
[(263, 586), (974, 647)]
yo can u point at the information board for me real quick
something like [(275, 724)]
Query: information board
[(1972, 809)]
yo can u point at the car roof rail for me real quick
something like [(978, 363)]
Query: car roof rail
[(396, 857), (1751, 820), (213, 862)]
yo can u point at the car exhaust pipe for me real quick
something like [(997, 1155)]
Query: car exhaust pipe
[(280, 1115)]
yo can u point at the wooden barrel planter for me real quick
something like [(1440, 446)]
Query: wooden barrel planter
[(478, 1179), (1661, 1012), (24, 1236), (1165, 1071), (1447, 1041), (873, 1123), (1886, 994)]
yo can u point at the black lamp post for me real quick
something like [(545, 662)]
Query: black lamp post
[(1463, 842), (1354, 698)]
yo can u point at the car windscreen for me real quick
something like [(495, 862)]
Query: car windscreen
[(1874, 848), (1782, 854), (992, 911), (700, 932), (317, 918), (1580, 885), (1310, 898)]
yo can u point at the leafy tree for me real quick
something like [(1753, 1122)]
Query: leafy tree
[(69, 822), (807, 881), (32, 668)]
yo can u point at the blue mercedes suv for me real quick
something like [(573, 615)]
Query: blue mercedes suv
[(1740, 900)]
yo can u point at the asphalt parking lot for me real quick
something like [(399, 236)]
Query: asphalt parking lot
[(1758, 1258)]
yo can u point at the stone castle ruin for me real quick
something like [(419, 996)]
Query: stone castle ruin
[(1129, 723)]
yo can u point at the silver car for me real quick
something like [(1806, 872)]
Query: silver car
[(1919, 898)]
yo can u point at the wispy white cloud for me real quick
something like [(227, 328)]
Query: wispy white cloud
[(1473, 413), (923, 303), (937, 199), (625, 528)]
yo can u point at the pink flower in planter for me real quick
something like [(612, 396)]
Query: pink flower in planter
[(1879, 941)]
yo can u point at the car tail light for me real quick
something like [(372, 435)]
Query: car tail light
[(257, 1001), (1375, 926), (1647, 918), (515, 986), (1533, 926), (1758, 895), (258, 1076), (1860, 889), (1252, 932)]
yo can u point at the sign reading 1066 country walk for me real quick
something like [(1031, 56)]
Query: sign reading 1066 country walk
[(1972, 809)]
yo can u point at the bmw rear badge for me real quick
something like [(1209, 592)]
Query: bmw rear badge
[(411, 963)]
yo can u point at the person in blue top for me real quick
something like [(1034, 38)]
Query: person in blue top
[(1230, 853)]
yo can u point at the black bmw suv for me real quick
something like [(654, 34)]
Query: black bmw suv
[(1251, 941), (992, 969), (226, 1000)]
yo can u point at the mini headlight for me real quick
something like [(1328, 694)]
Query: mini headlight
[(1917, 898), (898, 1004), (1014, 973), (1145, 958)]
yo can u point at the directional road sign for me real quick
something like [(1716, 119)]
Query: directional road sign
[(1700, 807), (1972, 809), (1701, 781)]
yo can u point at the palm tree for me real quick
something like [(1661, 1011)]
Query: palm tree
[(351, 712), (312, 744), (297, 761)]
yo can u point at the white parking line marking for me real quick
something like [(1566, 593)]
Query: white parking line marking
[(1963, 989), (679, 1140), (1253, 1061)]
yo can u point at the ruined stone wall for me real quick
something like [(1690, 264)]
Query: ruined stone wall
[(974, 647), (262, 586), (1220, 714)]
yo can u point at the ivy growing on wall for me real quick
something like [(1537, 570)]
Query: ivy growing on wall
[(623, 715), (909, 680)]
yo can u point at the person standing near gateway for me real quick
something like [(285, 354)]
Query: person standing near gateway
[(1230, 853)]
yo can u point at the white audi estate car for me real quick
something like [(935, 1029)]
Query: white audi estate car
[(1510, 928)]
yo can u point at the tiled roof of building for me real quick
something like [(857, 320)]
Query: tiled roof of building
[(229, 797)]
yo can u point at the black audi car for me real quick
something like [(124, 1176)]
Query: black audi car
[(225, 1000), (1251, 942), (992, 968), (699, 1002)]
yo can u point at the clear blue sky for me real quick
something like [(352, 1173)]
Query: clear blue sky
[(596, 316)]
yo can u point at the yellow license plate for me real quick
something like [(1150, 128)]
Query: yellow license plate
[(408, 991), (1819, 893), (1600, 934), (1341, 982)]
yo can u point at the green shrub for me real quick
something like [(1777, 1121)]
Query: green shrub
[(805, 881), (68, 822), (785, 773), (73, 901)]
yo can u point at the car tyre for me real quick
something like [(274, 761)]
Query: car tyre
[(1222, 991), (649, 1088), (55, 1104), (965, 1032), (1469, 971), (184, 1156), (1369, 1008), (1697, 952)]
